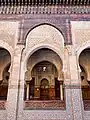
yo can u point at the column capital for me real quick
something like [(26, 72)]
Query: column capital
[(61, 81), (28, 81)]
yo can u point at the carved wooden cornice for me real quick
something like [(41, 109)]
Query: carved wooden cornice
[(43, 2), (55, 9)]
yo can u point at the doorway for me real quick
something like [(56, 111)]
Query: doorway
[(44, 89)]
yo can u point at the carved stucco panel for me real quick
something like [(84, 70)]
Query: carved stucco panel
[(9, 32), (80, 33), (45, 34)]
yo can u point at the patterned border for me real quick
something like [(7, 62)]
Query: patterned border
[(54, 9), (49, 104)]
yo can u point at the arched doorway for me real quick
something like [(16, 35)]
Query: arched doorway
[(84, 84), (42, 60), (84, 63), (43, 64), (44, 74), (44, 89), (5, 60)]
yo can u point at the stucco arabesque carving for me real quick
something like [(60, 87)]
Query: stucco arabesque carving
[(71, 50)]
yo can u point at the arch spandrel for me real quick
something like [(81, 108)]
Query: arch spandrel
[(45, 34)]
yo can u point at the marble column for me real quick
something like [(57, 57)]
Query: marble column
[(61, 90), (27, 92)]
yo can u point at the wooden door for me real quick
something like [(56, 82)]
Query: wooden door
[(44, 89)]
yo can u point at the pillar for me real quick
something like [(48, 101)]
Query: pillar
[(61, 90), (67, 82), (76, 92), (27, 92), (12, 98), (21, 104)]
